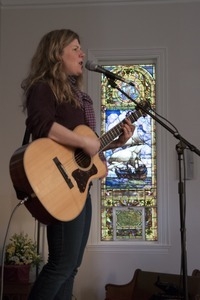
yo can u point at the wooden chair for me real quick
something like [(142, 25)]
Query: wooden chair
[(143, 287), (121, 292), (196, 273)]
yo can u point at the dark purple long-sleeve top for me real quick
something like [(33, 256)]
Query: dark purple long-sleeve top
[(43, 110)]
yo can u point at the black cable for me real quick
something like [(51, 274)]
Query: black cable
[(4, 245)]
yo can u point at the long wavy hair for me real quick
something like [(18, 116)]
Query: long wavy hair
[(47, 66)]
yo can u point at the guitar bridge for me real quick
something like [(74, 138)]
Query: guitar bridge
[(63, 172)]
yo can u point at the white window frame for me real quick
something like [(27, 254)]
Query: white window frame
[(131, 56)]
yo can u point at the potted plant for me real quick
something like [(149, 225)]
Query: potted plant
[(20, 255)]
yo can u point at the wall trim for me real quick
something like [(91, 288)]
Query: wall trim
[(140, 248), (54, 3)]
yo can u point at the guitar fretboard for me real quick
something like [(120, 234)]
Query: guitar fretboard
[(117, 130)]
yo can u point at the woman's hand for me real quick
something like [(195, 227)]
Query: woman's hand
[(128, 129), (90, 145)]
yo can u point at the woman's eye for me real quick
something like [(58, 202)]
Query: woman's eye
[(77, 48)]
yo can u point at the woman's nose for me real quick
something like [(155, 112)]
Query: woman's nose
[(82, 54)]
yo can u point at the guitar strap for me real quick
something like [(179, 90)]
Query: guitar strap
[(26, 139)]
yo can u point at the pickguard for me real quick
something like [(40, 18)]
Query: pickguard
[(82, 177)]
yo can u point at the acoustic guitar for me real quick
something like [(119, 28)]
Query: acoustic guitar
[(54, 179)]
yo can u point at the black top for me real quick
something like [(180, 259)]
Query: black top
[(43, 110)]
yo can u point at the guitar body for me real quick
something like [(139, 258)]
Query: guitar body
[(55, 178)]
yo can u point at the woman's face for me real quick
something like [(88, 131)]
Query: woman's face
[(72, 58)]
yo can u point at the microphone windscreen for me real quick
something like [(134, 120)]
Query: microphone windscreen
[(90, 65)]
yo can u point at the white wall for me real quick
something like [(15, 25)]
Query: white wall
[(171, 26)]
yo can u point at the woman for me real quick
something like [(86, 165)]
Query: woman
[(55, 105)]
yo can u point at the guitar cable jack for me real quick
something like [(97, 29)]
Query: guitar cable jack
[(23, 201)]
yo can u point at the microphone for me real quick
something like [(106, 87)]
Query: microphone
[(92, 66)]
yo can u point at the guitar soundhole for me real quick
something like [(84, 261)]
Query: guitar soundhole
[(82, 159)]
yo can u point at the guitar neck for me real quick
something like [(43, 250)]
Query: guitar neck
[(117, 130)]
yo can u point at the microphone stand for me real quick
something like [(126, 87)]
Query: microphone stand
[(183, 143), (181, 189)]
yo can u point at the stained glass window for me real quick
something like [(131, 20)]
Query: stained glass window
[(129, 192)]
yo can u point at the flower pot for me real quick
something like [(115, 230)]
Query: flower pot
[(16, 273)]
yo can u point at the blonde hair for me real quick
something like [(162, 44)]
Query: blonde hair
[(46, 66)]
